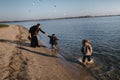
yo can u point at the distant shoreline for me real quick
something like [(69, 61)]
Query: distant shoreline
[(57, 18)]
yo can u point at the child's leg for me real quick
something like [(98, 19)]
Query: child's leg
[(84, 58), (54, 50), (54, 46), (89, 58)]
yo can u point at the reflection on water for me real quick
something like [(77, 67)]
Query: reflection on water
[(103, 33)]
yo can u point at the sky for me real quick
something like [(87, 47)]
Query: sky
[(43, 9)]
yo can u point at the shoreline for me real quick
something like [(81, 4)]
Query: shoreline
[(76, 17), (20, 61)]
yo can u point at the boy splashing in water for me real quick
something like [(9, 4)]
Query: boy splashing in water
[(86, 50)]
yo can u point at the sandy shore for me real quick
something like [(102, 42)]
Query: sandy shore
[(18, 61)]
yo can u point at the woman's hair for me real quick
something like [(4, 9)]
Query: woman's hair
[(85, 41)]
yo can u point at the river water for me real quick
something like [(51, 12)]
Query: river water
[(103, 32)]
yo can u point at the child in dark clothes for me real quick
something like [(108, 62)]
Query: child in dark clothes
[(53, 41)]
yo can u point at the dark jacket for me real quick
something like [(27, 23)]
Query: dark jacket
[(53, 40), (34, 31)]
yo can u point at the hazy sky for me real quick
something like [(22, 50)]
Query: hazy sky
[(39, 9)]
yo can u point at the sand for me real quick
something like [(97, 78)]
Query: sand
[(19, 61)]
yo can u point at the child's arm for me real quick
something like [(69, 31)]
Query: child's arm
[(91, 50)]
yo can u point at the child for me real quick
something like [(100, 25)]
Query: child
[(86, 50), (53, 41)]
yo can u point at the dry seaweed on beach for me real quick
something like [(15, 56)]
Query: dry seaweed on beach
[(3, 25)]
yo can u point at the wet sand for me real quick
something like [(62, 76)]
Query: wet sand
[(18, 61)]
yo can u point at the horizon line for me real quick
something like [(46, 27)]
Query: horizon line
[(73, 17)]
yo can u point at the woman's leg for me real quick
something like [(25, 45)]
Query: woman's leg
[(33, 42)]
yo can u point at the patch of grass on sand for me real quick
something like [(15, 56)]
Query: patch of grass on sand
[(3, 25)]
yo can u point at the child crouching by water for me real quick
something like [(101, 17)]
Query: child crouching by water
[(53, 42), (86, 50)]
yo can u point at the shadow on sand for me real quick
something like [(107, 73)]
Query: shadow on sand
[(15, 42), (21, 43), (39, 53)]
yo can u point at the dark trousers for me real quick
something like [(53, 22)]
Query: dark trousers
[(88, 57), (34, 41)]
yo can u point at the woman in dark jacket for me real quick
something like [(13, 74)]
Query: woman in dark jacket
[(34, 30)]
